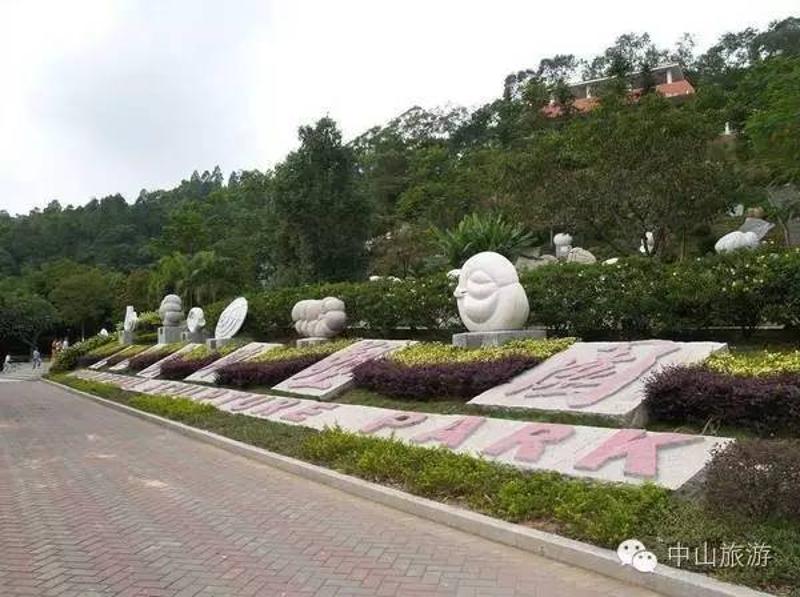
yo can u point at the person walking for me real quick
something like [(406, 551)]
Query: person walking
[(7, 363), (37, 358)]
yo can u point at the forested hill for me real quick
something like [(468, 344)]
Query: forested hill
[(335, 211)]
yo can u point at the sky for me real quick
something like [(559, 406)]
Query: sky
[(106, 96)]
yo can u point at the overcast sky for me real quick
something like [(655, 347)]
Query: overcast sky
[(105, 96)]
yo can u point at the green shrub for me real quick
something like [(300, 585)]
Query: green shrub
[(67, 359), (433, 353), (637, 297), (755, 363)]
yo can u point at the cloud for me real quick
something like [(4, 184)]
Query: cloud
[(101, 96)]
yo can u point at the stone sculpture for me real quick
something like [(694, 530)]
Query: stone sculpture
[(128, 326), (579, 255), (748, 236), (172, 319), (563, 244), (491, 302), (319, 320), (230, 321), (195, 325), (196, 319), (651, 244), (733, 241)]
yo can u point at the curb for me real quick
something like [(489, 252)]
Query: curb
[(665, 579)]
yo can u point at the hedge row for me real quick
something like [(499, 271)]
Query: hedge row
[(441, 380), (768, 404), (68, 358), (633, 298)]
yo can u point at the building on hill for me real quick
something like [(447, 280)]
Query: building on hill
[(667, 79)]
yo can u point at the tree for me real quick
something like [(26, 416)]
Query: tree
[(83, 299), (321, 221), (24, 316), (773, 128), (632, 168)]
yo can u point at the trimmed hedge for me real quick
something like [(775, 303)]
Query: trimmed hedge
[(246, 374), (756, 479), (181, 367), (767, 404), (442, 380), (636, 297)]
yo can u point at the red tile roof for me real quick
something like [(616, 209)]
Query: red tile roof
[(584, 104)]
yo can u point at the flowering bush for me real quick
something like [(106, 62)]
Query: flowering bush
[(767, 404), (762, 362), (430, 353)]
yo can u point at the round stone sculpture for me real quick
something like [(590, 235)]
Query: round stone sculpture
[(563, 244), (131, 319), (195, 320), (489, 295), (231, 319), (319, 318), (171, 311), (733, 241)]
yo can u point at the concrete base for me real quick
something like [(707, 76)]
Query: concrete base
[(169, 334), (478, 339), (311, 341), (126, 338), (198, 337), (215, 343)]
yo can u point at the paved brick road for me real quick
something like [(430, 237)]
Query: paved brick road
[(96, 502)]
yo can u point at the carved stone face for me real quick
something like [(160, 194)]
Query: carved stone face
[(196, 319), (319, 318), (489, 295)]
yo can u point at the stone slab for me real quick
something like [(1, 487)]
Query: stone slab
[(154, 370), (123, 364), (334, 374), (478, 339), (671, 460), (248, 351), (126, 338), (103, 362), (603, 378)]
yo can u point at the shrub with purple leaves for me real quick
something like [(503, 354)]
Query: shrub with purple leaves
[(179, 367), (766, 405), (247, 374), (756, 479), (440, 380), (143, 361)]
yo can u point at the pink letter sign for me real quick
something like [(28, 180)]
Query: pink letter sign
[(334, 373), (639, 448), (394, 421), (452, 435), (598, 377), (530, 441), (301, 414)]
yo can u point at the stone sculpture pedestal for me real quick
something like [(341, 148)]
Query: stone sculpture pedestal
[(197, 337), (169, 334), (478, 339), (126, 338), (313, 341), (215, 343)]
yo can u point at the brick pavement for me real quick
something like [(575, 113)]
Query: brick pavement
[(96, 502)]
